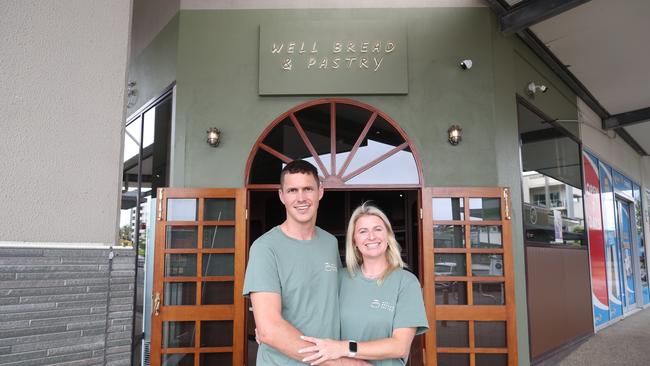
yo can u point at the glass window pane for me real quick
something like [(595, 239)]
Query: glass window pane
[(399, 168), (551, 180), (451, 293), (218, 293), (179, 265), (486, 236), (450, 265), (214, 359), (488, 293), (178, 334), (491, 359), (265, 168), (284, 138), (350, 121), (490, 334), (218, 265), (219, 209), (216, 333), (448, 236), (484, 209), (149, 126), (218, 237), (453, 359), (178, 359), (181, 237), (487, 265), (132, 139), (180, 293), (452, 333), (448, 208), (315, 121), (381, 138), (181, 209)]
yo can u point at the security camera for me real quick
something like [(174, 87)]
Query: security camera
[(534, 88), (466, 64)]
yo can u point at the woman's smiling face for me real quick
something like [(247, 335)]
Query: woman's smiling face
[(370, 236)]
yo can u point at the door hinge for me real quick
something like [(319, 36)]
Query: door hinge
[(506, 199), (421, 213), (246, 214), (159, 197)]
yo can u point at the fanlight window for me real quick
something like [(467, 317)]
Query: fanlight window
[(350, 144)]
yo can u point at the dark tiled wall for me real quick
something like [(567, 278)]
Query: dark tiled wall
[(71, 306)]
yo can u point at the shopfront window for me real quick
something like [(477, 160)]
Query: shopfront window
[(551, 182), (145, 168)]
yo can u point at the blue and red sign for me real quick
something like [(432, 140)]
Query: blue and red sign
[(596, 243)]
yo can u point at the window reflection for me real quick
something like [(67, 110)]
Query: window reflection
[(486, 236), (148, 127), (451, 293), (551, 182), (399, 168), (451, 208)]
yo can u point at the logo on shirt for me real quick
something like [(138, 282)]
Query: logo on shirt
[(330, 267), (382, 305)]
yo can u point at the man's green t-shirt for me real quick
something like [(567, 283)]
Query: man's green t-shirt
[(371, 311), (305, 274)]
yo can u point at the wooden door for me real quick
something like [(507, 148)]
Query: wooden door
[(198, 311), (469, 277)]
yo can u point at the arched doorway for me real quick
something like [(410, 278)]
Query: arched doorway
[(361, 155), (457, 240)]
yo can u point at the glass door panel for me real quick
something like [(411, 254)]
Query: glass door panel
[(627, 262)]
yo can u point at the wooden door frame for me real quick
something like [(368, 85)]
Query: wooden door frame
[(469, 312), (234, 312)]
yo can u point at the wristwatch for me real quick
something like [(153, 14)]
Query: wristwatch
[(352, 349)]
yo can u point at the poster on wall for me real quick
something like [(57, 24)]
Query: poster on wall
[(643, 260), (596, 243), (612, 255)]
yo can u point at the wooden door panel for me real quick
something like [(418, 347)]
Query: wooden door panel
[(469, 276), (198, 310)]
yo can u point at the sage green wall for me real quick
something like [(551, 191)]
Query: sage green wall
[(217, 86), (559, 102), (155, 67), (218, 75)]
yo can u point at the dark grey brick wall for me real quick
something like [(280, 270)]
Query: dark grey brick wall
[(71, 306)]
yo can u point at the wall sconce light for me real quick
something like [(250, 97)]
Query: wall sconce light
[(214, 136), (534, 88), (455, 134), (131, 94)]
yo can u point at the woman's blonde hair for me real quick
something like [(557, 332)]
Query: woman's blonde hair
[(353, 258)]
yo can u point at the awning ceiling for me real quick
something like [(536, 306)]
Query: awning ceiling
[(600, 49)]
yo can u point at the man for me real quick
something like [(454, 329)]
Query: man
[(292, 277)]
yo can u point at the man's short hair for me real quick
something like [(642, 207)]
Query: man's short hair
[(299, 166)]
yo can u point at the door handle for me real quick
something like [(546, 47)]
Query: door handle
[(156, 304)]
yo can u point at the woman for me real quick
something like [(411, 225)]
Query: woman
[(381, 303)]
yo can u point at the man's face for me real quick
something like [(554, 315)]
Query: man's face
[(300, 194)]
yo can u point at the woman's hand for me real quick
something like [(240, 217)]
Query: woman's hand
[(323, 350)]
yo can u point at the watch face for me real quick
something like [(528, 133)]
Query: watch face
[(353, 346)]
